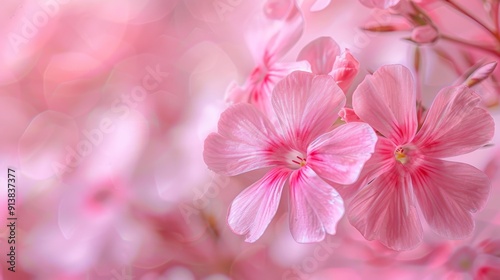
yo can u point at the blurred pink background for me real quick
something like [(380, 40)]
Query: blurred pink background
[(104, 107)]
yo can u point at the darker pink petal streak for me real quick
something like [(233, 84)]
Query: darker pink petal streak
[(386, 100), (457, 189), (305, 106), (253, 209), (385, 210)]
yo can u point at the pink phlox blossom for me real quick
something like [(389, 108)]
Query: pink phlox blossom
[(304, 149), (407, 172)]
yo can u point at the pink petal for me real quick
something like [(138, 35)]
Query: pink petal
[(276, 31), (386, 100), (320, 5), (253, 209), (380, 162), (236, 93), (306, 106), (448, 192), (454, 124), (385, 211), (243, 142), (315, 206), (381, 4), (340, 154), (258, 88), (278, 9), (321, 54)]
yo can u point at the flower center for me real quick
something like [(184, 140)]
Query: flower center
[(401, 155), (295, 160), (300, 161), (259, 74)]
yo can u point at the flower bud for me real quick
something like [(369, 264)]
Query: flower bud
[(345, 69), (424, 34), (348, 115)]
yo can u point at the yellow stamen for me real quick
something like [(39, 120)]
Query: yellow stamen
[(400, 155)]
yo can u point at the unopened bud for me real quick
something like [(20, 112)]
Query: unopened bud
[(424, 34), (345, 69), (348, 115), (480, 74)]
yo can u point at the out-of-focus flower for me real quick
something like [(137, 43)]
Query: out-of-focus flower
[(274, 35), (481, 261), (306, 150), (326, 59), (462, 259), (406, 168), (487, 268)]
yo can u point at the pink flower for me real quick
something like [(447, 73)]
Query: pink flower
[(271, 37), (480, 261), (462, 259), (304, 148), (406, 170), (487, 268), (325, 58)]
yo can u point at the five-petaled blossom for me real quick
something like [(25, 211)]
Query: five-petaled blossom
[(305, 148), (406, 170)]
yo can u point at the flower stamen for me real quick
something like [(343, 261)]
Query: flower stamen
[(401, 155), (295, 159), (302, 161)]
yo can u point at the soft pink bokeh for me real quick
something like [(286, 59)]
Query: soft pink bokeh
[(105, 106)]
